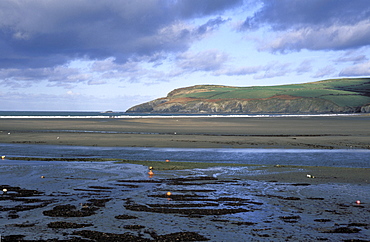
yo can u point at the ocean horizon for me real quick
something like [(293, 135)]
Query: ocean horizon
[(113, 114)]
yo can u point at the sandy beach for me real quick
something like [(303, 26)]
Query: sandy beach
[(342, 132), (89, 200)]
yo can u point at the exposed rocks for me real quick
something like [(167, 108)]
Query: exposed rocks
[(273, 105)]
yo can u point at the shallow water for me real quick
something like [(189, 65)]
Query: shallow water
[(302, 157)]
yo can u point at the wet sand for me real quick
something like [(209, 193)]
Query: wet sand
[(105, 201), (342, 132)]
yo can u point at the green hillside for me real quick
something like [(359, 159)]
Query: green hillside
[(343, 92), (329, 96)]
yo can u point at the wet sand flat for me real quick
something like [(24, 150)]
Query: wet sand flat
[(105, 201), (337, 132)]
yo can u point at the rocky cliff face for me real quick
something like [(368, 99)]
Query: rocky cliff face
[(273, 105), (328, 96), (365, 109)]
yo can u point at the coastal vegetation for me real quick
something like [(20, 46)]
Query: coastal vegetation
[(350, 95)]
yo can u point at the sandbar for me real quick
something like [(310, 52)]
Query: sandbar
[(335, 132)]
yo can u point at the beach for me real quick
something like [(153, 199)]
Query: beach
[(342, 132), (112, 200)]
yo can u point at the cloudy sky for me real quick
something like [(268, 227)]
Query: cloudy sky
[(94, 55)]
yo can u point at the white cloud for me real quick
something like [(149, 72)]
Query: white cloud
[(362, 69), (71, 93), (304, 67), (321, 38), (239, 71), (273, 69), (209, 60), (325, 71), (349, 57)]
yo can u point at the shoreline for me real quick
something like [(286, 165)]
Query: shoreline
[(133, 116)]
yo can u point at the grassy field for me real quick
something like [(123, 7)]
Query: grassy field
[(343, 92)]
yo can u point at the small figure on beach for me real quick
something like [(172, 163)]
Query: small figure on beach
[(3, 157)]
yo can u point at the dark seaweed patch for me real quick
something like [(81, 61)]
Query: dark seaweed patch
[(322, 220), (143, 208), (141, 181), (315, 198), (358, 224), (24, 196), (134, 226), (344, 230), (67, 225), (244, 223), (181, 236), (128, 237), (101, 187), (99, 202), (124, 216), (300, 184), (176, 197), (183, 205), (290, 219), (195, 190), (103, 237), (24, 225), (70, 211)]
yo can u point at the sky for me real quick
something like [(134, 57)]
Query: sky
[(94, 55)]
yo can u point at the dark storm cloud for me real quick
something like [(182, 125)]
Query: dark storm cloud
[(45, 33), (196, 8), (284, 14), (210, 25), (57, 76), (313, 24)]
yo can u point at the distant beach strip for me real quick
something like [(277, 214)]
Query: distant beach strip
[(121, 115)]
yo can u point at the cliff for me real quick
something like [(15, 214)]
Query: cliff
[(328, 96)]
